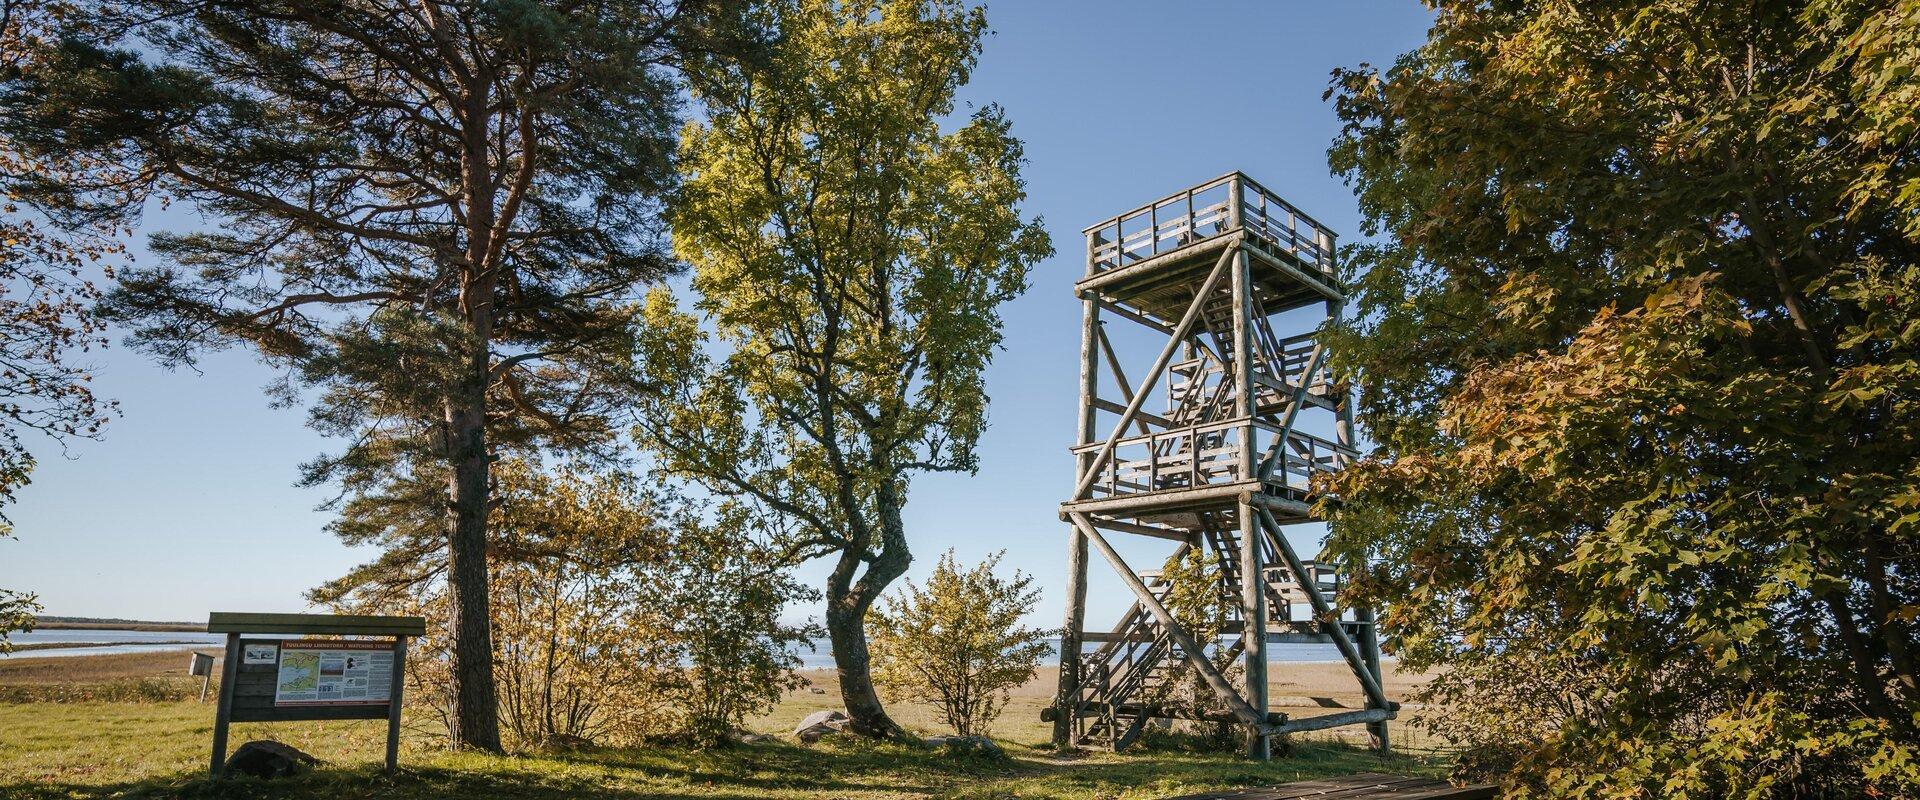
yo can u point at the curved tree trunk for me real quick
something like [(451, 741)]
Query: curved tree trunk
[(846, 628), (848, 601)]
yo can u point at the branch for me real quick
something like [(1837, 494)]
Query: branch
[(295, 301)]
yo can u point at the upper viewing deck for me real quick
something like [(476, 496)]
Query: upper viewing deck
[(1147, 257)]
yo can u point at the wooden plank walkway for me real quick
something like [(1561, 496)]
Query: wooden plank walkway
[(1366, 786)]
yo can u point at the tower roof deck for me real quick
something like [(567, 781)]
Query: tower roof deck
[(1153, 257)]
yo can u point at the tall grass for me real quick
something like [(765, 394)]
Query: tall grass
[(119, 690)]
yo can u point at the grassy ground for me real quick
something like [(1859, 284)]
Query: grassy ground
[(97, 749)]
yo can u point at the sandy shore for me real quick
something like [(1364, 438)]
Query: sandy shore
[(1298, 690)]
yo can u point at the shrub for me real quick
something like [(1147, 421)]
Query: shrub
[(620, 615), (957, 642)]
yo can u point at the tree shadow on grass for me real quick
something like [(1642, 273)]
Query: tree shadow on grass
[(1145, 772), (761, 771)]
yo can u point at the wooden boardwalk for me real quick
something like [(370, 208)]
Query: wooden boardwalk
[(1368, 786)]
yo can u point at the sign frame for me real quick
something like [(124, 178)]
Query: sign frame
[(249, 681)]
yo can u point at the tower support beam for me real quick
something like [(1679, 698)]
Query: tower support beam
[(1251, 419), (1189, 649), (1325, 613)]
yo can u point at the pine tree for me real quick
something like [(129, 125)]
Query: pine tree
[(432, 215)]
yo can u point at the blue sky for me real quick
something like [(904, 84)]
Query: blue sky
[(189, 503)]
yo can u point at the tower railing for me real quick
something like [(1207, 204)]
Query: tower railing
[(1207, 210)]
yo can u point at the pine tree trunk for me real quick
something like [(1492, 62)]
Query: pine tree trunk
[(476, 720), (476, 710)]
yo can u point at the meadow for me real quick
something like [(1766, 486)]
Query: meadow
[(108, 726)]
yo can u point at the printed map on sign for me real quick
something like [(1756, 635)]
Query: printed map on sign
[(334, 673)]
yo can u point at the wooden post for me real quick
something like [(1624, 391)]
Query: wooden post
[(1370, 653), (1243, 359), (1070, 640), (1253, 630), (394, 697), (1369, 631), (1343, 402), (1236, 191), (1253, 596), (229, 668)]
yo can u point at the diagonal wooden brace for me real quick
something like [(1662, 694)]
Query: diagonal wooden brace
[(1274, 454), (1119, 375), (1152, 378), (1324, 612), (1191, 649)]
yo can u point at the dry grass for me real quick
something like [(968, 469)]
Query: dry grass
[(32, 646), (30, 671), (1297, 689), (95, 744)]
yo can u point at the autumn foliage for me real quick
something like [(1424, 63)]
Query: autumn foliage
[(1641, 353), (957, 641)]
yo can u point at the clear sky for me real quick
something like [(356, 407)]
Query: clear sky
[(189, 503)]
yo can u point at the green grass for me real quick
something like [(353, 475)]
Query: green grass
[(121, 749)]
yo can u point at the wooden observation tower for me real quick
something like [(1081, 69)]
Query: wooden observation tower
[(1211, 444)]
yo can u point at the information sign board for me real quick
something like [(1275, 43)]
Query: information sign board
[(326, 677)]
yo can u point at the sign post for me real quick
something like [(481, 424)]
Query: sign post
[(286, 679), (202, 665)]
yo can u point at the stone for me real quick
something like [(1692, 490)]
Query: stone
[(816, 690), (566, 743), (821, 723), (263, 758), (968, 746)]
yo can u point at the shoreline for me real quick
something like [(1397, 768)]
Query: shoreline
[(34, 646), (103, 625)]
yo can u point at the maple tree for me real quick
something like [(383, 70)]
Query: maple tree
[(1639, 336)]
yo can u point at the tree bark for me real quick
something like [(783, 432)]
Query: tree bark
[(476, 704), (475, 713), (846, 629), (848, 601), (1873, 690)]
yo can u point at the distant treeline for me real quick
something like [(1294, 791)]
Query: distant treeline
[(98, 623)]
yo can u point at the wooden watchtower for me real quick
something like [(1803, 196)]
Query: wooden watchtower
[(1211, 444)]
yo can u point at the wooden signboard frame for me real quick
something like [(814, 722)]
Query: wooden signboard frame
[(249, 675)]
